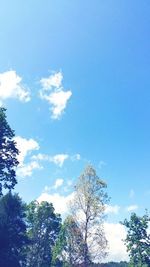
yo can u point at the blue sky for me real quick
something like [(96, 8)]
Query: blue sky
[(74, 76)]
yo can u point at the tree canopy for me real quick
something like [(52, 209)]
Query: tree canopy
[(138, 240), (8, 154), (13, 237), (43, 229)]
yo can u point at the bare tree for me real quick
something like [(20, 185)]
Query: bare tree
[(87, 209)]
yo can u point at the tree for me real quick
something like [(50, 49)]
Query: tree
[(8, 154), (13, 237), (87, 209), (111, 264), (138, 240), (58, 257), (43, 229), (69, 246)]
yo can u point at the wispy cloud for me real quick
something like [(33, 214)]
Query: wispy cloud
[(57, 159), (76, 157), (58, 183), (101, 164), (46, 189), (68, 186), (27, 169), (53, 92), (41, 157), (26, 148), (11, 87), (112, 209), (131, 193), (132, 208)]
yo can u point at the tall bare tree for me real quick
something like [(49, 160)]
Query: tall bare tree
[(87, 209)]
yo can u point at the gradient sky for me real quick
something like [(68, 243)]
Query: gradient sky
[(74, 76)]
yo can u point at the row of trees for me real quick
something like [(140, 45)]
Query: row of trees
[(33, 235), (111, 264), (28, 233)]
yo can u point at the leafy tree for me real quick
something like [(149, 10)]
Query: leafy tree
[(87, 209), (8, 154), (43, 229), (138, 240), (111, 264), (69, 247), (58, 257), (13, 235)]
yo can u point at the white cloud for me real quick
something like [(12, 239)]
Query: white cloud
[(41, 157), (68, 186), (47, 188), (132, 208), (57, 159), (69, 182), (59, 202), (58, 183), (27, 169), (58, 100), (76, 157), (112, 209), (53, 92), (25, 146), (53, 80), (115, 234), (11, 87)]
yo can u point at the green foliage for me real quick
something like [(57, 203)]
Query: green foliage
[(8, 154), (58, 259), (13, 236), (138, 240), (87, 209), (43, 229), (69, 247), (111, 264), (74, 242)]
